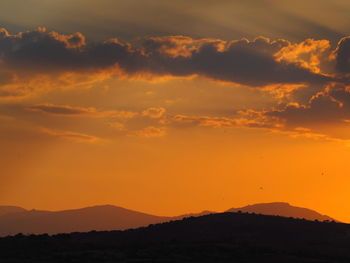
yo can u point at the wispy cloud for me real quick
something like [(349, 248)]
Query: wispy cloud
[(71, 136), (153, 112), (148, 132), (71, 111)]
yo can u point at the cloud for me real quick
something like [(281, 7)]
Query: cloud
[(259, 62), (117, 126), (13, 92), (294, 73), (148, 132), (153, 112), (252, 63), (301, 132), (62, 110), (42, 51), (328, 107), (325, 116), (71, 136), (258, 120), (66, 110), (250, 119), (342, 55), (308, 54)]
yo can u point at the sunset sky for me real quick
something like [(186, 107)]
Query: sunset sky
[(170, 107)]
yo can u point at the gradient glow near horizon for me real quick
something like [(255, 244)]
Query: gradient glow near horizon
[(170, 107)]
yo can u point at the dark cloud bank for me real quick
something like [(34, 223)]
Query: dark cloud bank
[(246, 62), (257, 63)]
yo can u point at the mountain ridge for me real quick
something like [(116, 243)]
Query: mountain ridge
[(283, 209), (7, 209), (110, 217)]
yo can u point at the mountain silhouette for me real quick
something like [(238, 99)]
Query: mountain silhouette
[(10, 209), (282, 209), (222, 237), (14, 220), (105, 217)]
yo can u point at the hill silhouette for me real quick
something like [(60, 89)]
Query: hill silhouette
[(108, 217), (105, 217), (10, 209), (282, 209), (224, 237)]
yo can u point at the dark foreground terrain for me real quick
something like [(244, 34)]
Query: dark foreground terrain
[(226, 237)]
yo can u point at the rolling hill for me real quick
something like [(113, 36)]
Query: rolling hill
[(282, 209), (224, 237), (14, 220), (10, 209), (79, 220)]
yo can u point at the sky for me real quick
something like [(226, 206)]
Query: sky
[(171, 107)]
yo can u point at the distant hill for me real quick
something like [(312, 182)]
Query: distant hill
[(225, 237), (282, 209), (15, 220), (79, 220), (10, 209)]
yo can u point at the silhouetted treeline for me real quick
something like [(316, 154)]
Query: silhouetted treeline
[(226, 237)]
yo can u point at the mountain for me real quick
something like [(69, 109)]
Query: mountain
[(224, 237), (79, 220), (282, 209), (14, 220), (10, 209)]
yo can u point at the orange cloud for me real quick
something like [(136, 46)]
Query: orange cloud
[(36, 61), (153, 112), (342, 55), (69, 59), (117, 126), (330, 106), (65, 110), (283, 91), (71, 136), (301, 132), (148, 132), (248, 118), (324, 116), (178, 46), (307, 54), (260, 120)]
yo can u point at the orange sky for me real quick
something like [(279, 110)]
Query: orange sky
[(199, 112)]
